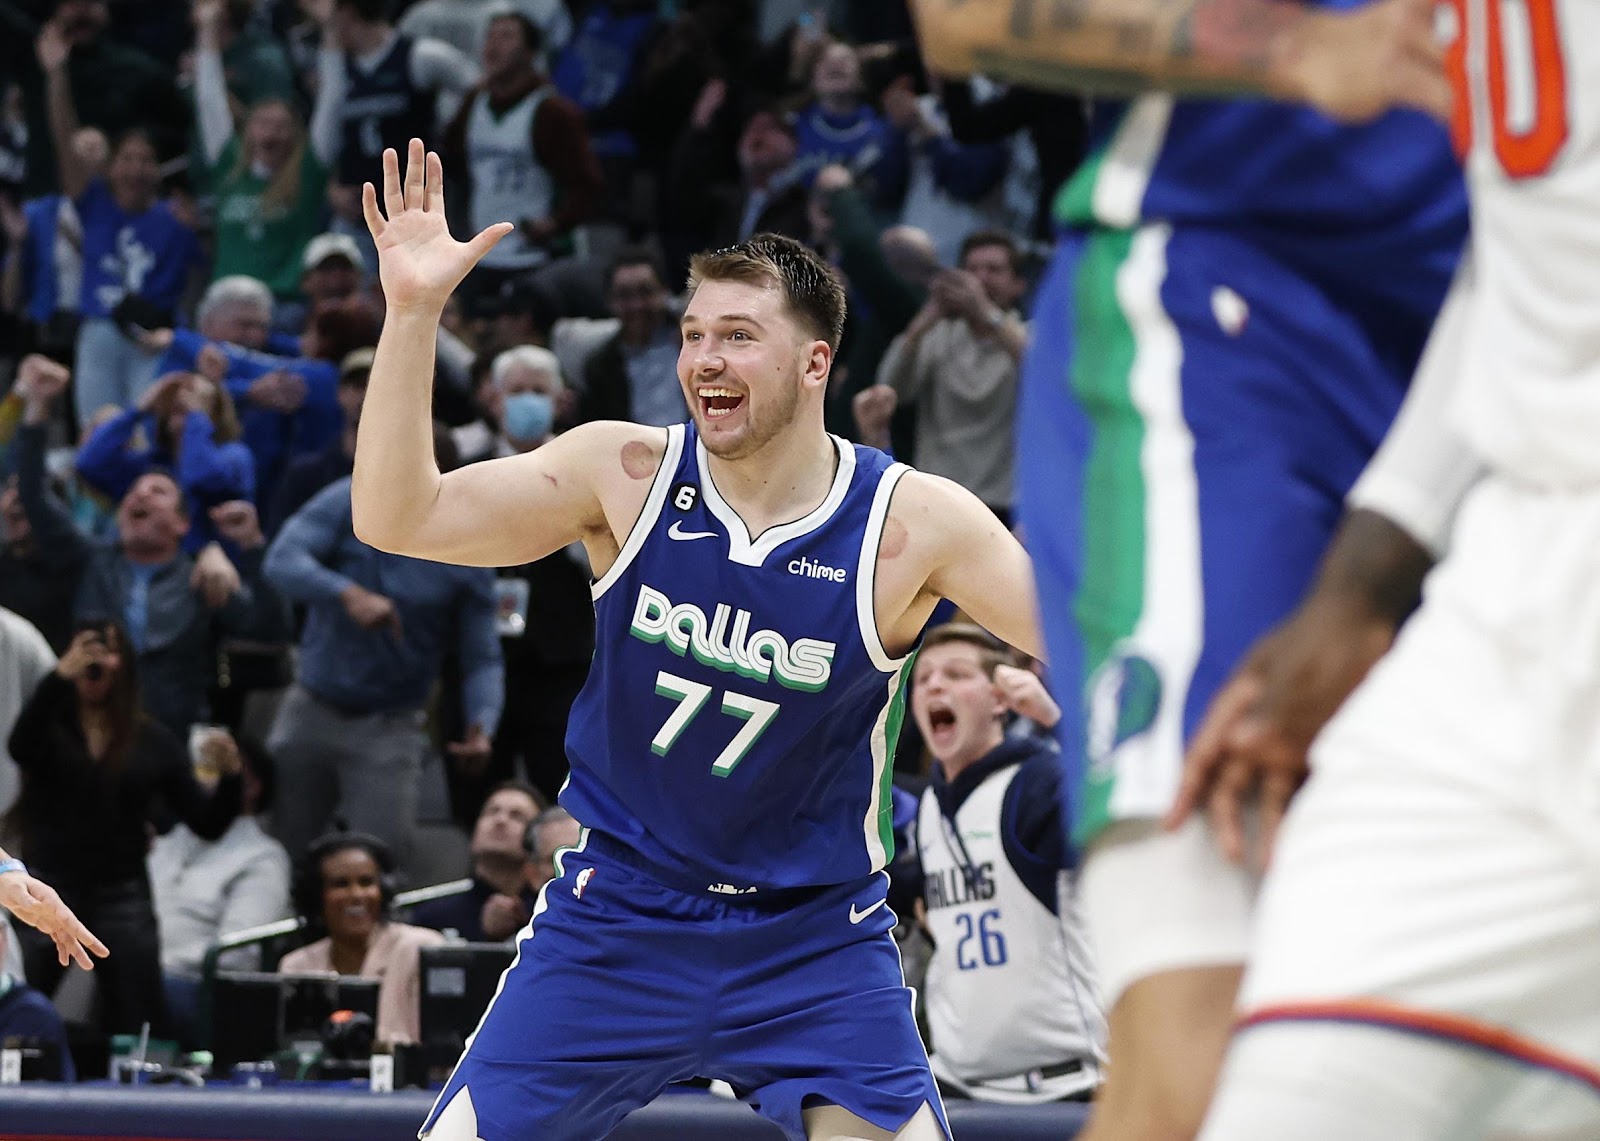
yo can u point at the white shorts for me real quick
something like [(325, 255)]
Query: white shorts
[(1440, 872), (1158, 901)]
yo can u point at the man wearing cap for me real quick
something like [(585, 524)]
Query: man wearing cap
[(307, 475), (330, 270)]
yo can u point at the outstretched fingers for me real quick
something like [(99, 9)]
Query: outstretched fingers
[(435, 197), (394, 201), (416, 167), (369, 210), (487, 239)]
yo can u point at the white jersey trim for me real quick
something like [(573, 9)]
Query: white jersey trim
[(522, 937), (867, 570), (648, 514), (752, 553), (1125, 171)]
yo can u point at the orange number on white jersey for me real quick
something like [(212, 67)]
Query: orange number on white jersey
[(1524, 65)]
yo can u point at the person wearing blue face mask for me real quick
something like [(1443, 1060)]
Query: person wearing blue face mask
[(525, 387), (544, 615)]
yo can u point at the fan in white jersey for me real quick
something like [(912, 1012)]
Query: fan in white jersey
[(1014, 1011), (1429, 933)]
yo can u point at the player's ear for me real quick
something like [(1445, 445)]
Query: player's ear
[(819, 365)]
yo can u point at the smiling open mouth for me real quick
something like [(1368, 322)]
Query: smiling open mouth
[(716, 403), (940, 719)]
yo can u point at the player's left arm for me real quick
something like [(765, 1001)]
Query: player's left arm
[(967, 556)]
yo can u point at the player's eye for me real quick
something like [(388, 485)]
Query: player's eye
[(692, 338), (739, 335)]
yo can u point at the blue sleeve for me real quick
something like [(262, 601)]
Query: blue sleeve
[(890, 173), (181, 354), (967, 171), (107, 463), (319, 419), (483, 675), (283, 344), (1031, 831), (213, 472), (297, 562)]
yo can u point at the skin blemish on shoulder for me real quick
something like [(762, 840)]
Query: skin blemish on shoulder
[(638, 460), (552, 480), (895, 537)]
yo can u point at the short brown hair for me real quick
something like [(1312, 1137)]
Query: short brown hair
[(814, 293), (981, 239), (992, 651)]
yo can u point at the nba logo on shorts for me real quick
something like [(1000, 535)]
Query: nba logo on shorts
[(583, 882)]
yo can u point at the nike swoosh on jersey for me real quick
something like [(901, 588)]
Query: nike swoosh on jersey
[(676, 531), (858, 916)]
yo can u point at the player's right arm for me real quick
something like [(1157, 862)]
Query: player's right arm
[(1353, 64), (502, 512)]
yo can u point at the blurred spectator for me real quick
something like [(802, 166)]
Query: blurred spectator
[(953, 188), (839, 126), (390, 88), (175, 608), (137, 254), (185, 424), (599, 71), (147, 580), (1013, 1009), (546, 629), (522, 399), (699, 213), (43, 557), (287, 403), (207, 888), (307, 475), (634, 375), (112, 86), (43, 279), (1057, 128), (349, 737), (552, 830), (957, 363), (462, 23), (346, 887), (520, 314), (500, 900), (254, 61), (523, 153), (886, 274), (331, 270), (24, 1011), (270, 180), (94, 768), (25, 658)]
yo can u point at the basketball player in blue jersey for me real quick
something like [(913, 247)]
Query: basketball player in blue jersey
[(1241, 292), (761, 587)]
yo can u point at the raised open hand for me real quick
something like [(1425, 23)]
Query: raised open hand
[(419, 263)]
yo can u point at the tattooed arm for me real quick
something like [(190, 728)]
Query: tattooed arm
[(1352, 64)]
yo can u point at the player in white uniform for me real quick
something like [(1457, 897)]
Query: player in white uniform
[(1014, 1011), (1428, 939)]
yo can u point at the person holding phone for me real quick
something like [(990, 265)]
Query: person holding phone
[(94, 765)]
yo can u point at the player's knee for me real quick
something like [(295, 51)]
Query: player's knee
[(458, 1121), (835, 1123)]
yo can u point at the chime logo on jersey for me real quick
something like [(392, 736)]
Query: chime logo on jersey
[(725, 641)]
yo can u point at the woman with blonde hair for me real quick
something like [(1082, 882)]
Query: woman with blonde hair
[(187, 424), (271, 180)]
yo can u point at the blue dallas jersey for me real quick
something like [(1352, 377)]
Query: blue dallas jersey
[(1374, 214), (739, 721)]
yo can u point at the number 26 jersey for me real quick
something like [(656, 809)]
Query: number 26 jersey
[(740, 717)]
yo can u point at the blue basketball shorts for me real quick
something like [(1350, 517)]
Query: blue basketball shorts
[(1193, 412), (623, 985)]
